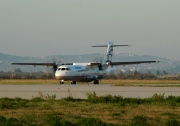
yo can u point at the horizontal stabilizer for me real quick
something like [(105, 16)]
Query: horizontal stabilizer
[(111, 45)]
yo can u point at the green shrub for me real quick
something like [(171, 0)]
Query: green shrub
[(8, 103), (12, 122), (172, 122), (15, 122), (66, 123), (37, 99), (172, 103), (158, 98), (106, 99), (118, 98), (110, 99), (91, 122), (18, 102), (50, 97), (56, 119), (69, 98), (170, 115), (133, 100), (92, 97), (139, 121), (170, 97), (178, 99), (2, 120)]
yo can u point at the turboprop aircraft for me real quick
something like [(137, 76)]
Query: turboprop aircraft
[(86, 72)]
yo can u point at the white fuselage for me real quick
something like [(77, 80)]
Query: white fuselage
[(78, 73)]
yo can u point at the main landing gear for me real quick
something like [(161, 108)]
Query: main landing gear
[(96, 81), (61, 81), (73, 82)]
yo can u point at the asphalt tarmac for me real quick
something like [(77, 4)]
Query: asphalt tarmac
[(80, 90)]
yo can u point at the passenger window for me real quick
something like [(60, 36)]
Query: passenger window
[(63, 68), (59, 68)]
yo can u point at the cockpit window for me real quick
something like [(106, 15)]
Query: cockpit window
[(63, 68), (67, 68)]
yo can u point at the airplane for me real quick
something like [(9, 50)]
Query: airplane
[(86, 72)]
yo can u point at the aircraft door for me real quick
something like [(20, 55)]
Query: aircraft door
[(68, 71)]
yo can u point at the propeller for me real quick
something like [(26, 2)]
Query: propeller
[(55, 66), (56, 62), (99, 60)]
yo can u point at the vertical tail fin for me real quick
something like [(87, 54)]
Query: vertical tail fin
[(109, 54)]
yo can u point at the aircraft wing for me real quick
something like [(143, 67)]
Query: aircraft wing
[(124, 63), (133, 62), (35, 64), (94, 64)]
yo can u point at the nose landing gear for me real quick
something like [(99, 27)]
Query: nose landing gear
[(96, 81), (61, 81)]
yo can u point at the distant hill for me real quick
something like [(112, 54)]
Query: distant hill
[(169, 65)]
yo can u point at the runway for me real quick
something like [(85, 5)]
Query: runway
[(80, 90)]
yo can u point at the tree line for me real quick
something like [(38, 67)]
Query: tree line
[(135, 75)]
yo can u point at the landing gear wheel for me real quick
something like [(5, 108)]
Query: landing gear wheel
[(96, 81), (61, 82), (73, 82)]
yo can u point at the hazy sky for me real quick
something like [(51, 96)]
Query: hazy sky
[(53, 27)]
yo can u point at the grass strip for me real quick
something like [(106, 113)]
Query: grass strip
[(95, 110)]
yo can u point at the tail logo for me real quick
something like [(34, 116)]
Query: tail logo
[(109, 55)]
